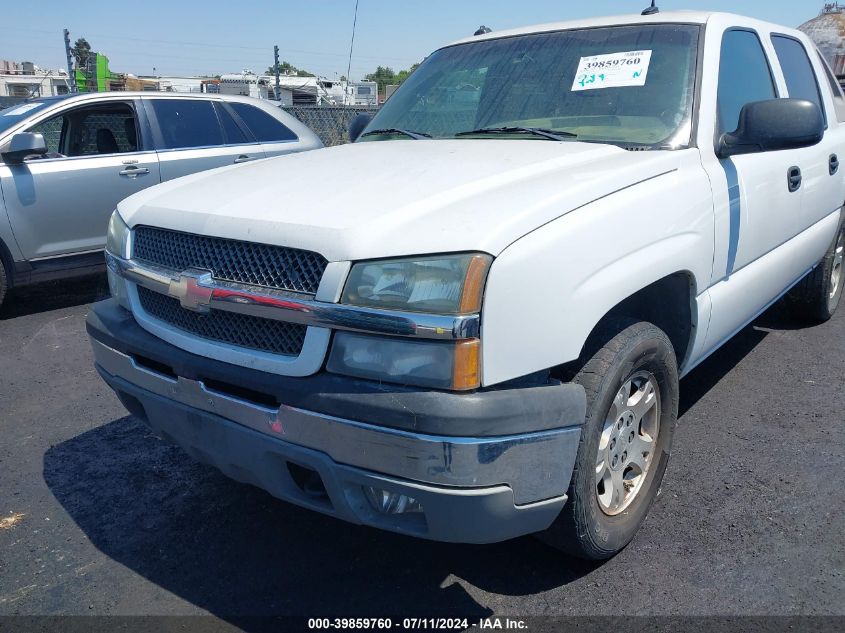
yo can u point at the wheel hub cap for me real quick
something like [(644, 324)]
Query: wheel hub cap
[(627, 442)]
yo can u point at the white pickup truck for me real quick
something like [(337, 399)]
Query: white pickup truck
[(572, 216)]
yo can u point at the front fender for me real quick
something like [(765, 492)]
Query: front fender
[(9, 250), (547, 291)]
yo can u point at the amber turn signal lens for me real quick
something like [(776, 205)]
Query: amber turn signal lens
[(467, 369), (473, 290)]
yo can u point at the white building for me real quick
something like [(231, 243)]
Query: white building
[(177, 83), (28, 80), (295, 90)]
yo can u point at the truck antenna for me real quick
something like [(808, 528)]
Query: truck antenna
[(651, 10)]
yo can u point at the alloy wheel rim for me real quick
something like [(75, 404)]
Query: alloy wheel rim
[(836, 275), (627, 444)]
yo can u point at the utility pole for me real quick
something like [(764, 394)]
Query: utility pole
[(347, 99), (71, 79), (276, 68)]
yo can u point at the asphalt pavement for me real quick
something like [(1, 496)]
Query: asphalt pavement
[(99, 517)]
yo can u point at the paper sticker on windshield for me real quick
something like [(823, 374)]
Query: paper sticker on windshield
[(618, 70), (21, 109)]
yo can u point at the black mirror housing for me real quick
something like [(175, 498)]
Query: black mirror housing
[(774, 125), (357, 126), (24, 145)]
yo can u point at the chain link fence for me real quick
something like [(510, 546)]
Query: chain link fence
[(330, 123)]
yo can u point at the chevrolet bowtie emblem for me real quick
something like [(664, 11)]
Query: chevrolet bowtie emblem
[(191, 288)]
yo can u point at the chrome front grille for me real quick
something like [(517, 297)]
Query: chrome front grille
[(242, 330), (231, 260)]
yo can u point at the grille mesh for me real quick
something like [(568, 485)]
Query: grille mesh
[(242, 330), (231, 260)]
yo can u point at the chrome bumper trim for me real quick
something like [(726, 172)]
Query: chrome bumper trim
[(197, 290), (536, 466)]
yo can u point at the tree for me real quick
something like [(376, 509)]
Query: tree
[(81, 51), (383, 76), (402, 75), (286, 68)]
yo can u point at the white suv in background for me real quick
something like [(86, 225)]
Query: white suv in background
[(65, 163)]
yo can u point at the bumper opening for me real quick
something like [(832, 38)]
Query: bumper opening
[(155, 366), (242, 393), (309, 482)]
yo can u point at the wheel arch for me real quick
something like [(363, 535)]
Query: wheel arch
[(8, 263), (668, 303)]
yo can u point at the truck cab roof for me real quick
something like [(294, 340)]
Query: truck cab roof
[(667, 17)]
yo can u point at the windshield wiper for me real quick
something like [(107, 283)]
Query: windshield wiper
[(552, 135), (395, 130)]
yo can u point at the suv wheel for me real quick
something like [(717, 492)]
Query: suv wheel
[(817, 296), (632, 405)]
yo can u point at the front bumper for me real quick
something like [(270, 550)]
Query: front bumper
[(472, 489)]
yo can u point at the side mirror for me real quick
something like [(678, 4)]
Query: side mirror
[(24, 145), (770, 126), (357, 126)]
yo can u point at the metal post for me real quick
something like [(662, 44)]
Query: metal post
[(70, 77), (347, 99), (276, 68)]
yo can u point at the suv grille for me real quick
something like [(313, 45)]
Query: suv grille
[(242, 330), (231, 260)]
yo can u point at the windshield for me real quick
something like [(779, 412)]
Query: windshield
[(629, 85), (16, 113)]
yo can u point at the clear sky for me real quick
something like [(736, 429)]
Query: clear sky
[(218, 36)]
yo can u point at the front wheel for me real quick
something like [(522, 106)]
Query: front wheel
[(632, 406)]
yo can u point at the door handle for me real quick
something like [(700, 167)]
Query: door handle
[(243, 158), (834, 164), (794, 179), (133, 172)]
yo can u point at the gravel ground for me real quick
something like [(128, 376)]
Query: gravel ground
[(98, 517)]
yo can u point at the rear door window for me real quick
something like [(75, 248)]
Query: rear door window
[(187, 123), (797, 70), (835, 88), (232, 132), (265, 127)]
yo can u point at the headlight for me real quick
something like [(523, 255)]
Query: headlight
[(117, 243), (445, 284), (118, 289), (435, 364), (117, 238), (442, 285)]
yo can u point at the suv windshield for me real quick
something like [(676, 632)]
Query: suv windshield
[(16, 113), (629, 85)]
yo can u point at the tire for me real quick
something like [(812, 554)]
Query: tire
[(816, 297), (599, 520)]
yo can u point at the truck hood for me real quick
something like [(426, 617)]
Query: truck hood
[(394, 198)]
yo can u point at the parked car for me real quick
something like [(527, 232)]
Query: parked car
[(65, 163), (495, 349)]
